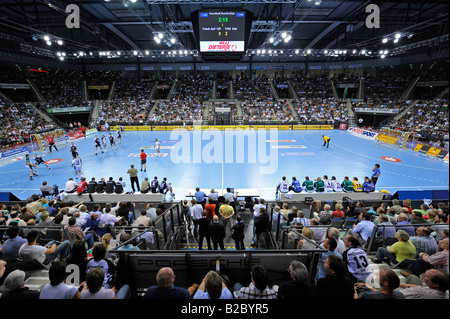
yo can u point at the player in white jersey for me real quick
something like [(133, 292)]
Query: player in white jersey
[(283, 186), (327, 183), (97, 145), (157, 147), (76, 164), (112, 141), (335, 185), (104, 142)]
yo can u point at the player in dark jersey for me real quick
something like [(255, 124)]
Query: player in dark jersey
[(112, 141), (119, 136), (38, 160), (97, 145), (74, 150)]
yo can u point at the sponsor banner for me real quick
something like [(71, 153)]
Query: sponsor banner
[(221, 46), (98, 87), (299, 127), (14, 152), (53, 161), (91, 131), (424, 149), (298, 154), (74, 109), (418, 147), (411, 145), (326, 127), (103, 128), (288, 146), (348, 85), (16, 86), (363, 133), (75, 135), (391, 159), (148, 155), (162, 147), (446, 157), (442, 154), (343, 126), (284, 127), (375, 110), (281, 141), (433, 151)]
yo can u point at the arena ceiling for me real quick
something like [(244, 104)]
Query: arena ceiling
[(331, 29)]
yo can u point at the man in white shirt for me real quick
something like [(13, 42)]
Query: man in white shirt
[(71, 186), (196, 214)]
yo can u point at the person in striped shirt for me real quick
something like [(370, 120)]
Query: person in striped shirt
[(425, 262)]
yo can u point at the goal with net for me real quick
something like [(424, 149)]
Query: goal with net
[(395, 137), (40, 142)]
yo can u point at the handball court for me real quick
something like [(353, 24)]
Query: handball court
[(292, 153)]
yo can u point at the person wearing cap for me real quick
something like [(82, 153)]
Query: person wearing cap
[(15, 287)]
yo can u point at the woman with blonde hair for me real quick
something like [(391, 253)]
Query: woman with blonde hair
[(401, 250), (304, 243)]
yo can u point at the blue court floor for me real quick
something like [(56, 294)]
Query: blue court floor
[(220, 159)]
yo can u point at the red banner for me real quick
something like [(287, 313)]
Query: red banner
[(343, 126), (75, 135)]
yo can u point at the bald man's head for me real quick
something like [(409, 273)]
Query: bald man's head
[(165, 277)]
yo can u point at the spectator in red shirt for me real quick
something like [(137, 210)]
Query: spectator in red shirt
[(82, 186), (338, 213)]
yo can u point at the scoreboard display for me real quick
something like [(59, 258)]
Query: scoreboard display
[(222, 30)]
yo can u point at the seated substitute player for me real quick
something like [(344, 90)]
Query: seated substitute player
[(112, 141), (335, 185), (308, 185), (326, 140), (38, 160), (347, 185), (319, 185), (295, 185), (283, 186), (165, 187), (97, 145), (327, 182), (368, 185), (31, 167), (357, 187), (76, 164)]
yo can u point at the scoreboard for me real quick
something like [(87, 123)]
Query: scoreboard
[(222, 30)]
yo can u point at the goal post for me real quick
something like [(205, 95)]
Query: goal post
[(395, 137), (40, 143)]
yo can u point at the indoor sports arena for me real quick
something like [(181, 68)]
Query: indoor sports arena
[(293, 150)]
